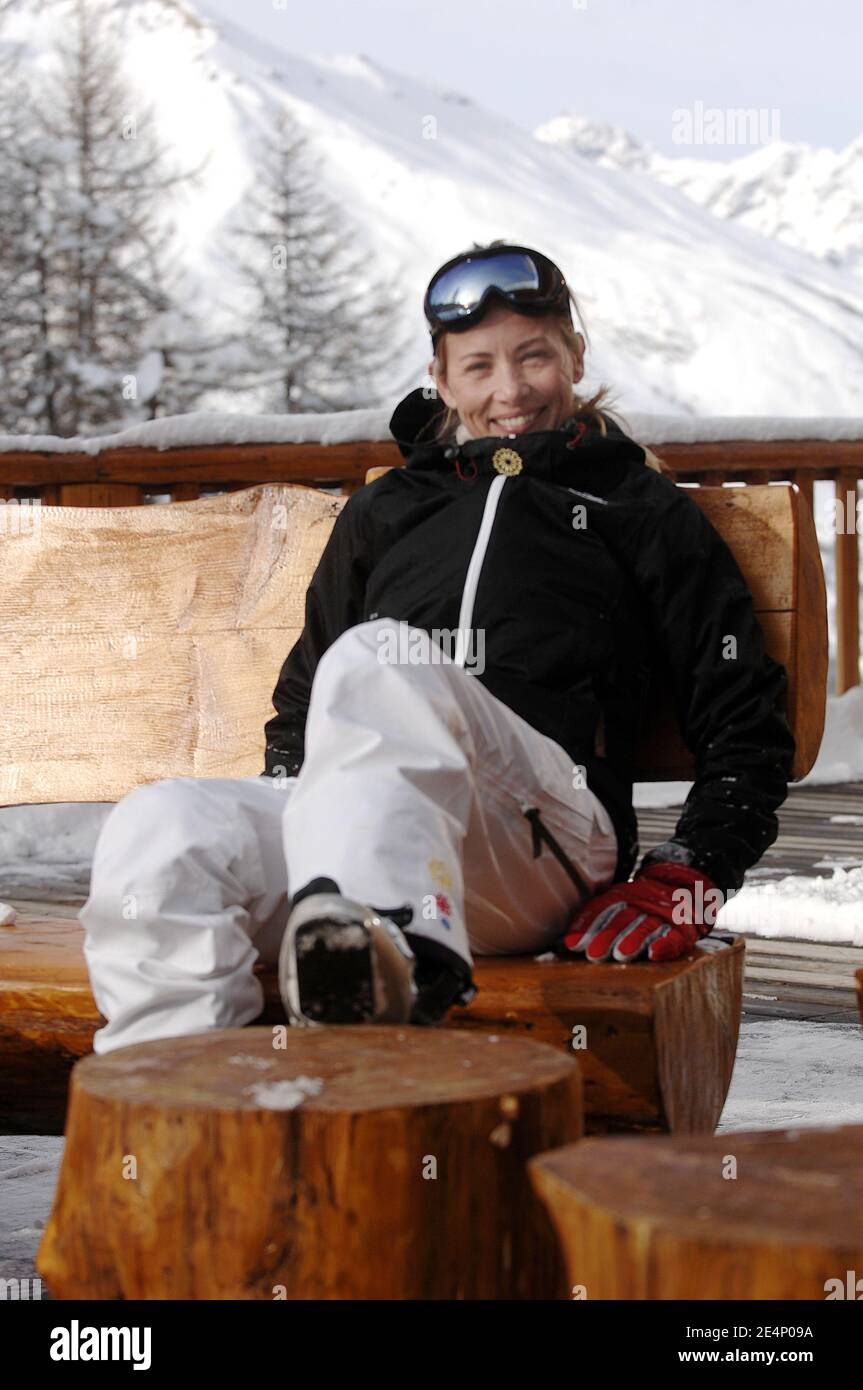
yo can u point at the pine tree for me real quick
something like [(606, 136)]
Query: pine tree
[(84, 256), (19, 328), (180, 363), (321, 329)]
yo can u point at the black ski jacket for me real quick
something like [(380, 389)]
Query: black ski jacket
[(589, 569)]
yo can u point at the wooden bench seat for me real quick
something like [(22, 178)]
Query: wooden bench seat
[(656, 1053)]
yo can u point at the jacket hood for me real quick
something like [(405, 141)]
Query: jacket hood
[(542, 452), (415, 419)]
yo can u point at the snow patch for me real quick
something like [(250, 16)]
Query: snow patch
[(792, 1073), (284, 1095), (200, 428), (335, 936), (810, 909), (840, 757)]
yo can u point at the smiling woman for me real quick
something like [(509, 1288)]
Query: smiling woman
[(406, 800)]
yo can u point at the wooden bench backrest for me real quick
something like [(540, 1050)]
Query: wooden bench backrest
[(144, 642), (140, 643), (771, 533)]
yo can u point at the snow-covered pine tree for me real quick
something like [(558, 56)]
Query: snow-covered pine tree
[(21, 347), (181, 361), (87, 257), (321, 328)]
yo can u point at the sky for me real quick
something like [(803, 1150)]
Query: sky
[(631, 63)]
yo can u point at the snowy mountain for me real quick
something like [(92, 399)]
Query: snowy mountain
[(688, 314), (805, 197)]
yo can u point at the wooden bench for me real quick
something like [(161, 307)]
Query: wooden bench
[(634, 1029), (740, 1215), (144, 642)]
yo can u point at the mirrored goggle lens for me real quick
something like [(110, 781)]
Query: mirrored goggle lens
[(459, 290)]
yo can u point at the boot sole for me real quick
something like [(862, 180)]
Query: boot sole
[(335, 979)]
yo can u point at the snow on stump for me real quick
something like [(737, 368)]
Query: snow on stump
[(776, 1214), (340, 1162), (656, 1042)]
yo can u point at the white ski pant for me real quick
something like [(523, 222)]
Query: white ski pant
[(411, 791)]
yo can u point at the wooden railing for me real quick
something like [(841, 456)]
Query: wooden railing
[(128, 475)]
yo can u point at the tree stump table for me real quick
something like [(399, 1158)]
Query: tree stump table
[(741, 1215), (367, 1162)]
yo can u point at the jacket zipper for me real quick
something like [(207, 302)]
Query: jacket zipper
[(539, 830), (465, 616)]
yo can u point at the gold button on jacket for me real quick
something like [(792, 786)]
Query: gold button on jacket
[(507, 461)]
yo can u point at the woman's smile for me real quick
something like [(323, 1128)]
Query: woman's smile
[(517, 424)]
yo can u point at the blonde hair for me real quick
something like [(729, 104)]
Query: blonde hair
[(568, 340)]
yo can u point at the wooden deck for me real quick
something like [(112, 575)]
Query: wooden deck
[(797, 979)]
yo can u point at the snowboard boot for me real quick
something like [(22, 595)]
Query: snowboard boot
[(346, 962)]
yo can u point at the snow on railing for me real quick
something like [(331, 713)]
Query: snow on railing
[(372, 426)]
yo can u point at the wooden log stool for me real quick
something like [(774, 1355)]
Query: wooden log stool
[(369, 1162), (776, 1214)]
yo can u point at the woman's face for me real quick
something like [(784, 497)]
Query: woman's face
[(510, 374)]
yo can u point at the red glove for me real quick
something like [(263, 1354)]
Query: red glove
[(648, 918)]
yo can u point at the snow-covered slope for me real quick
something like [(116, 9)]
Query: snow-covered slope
[(688, 314), (806, 197)]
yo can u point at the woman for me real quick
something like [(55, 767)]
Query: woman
[(448, 771)]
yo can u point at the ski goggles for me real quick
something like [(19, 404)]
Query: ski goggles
[(458, 293)]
